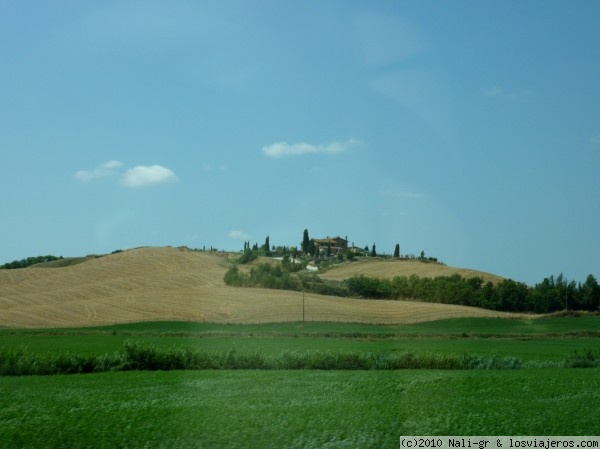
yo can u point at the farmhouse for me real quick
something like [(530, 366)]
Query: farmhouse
[(337, 245)]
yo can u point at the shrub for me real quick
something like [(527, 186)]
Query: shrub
[(233, 277), (587, 358), (475, 361), (247, 257)]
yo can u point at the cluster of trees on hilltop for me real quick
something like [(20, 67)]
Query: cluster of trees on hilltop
[(23, 263), (310, 250)]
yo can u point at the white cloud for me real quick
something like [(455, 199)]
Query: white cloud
[(101, 171), (144, 176), (281, 149), (238, 235)]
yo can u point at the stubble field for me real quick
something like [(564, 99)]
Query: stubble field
[(151, 284)]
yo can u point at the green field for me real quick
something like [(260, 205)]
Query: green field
[(304, 408), (549, 339), (292, 409)]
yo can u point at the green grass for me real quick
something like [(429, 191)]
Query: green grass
[(526, 350), (301, 408), (460, 327), (530, 340), (292, 409)]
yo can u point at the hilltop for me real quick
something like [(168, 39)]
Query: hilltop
[(150, 284)]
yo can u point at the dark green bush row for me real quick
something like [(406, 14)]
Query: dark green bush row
[(19, 362), (139, 356)]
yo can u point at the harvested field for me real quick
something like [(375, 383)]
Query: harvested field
[(387, 269), (150, 284)]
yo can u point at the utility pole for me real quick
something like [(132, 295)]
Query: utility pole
[(303, 307)]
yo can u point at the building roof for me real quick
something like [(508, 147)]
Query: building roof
[(331, 241)]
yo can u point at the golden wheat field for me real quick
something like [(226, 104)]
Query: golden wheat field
[(387, 269), (150, 284)]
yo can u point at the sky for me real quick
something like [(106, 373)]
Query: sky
[(468, 130)]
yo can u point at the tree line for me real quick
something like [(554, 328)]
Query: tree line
[(550, 295), (28, 261)]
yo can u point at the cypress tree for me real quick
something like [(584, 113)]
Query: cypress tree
[(305, 242)]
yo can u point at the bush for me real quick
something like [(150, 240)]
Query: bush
[(248, 256), (142, 356), (587, 358), (470, 361), (368, 287), (234, 277)]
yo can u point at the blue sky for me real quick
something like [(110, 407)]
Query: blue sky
[(468, 130)]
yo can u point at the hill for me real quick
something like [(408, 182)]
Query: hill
[(150, 284), (387, 269)]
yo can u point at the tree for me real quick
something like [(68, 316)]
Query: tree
[(510, 296), (373, 251), (305, 242), (590, 294), (312, 248), (266, 246), (397, 251), (546, 296)]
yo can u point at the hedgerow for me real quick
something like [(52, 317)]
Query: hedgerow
[(139, 356)]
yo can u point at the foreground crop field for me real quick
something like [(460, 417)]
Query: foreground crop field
[(304, 408), (292, 409)]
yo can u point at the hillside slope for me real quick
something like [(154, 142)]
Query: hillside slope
[(151, 284), (387, 269)]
